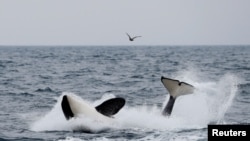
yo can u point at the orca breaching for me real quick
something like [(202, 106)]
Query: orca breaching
[(74, 107)]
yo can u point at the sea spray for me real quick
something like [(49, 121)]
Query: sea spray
[(54, 120), (209, 103), (228, 88)]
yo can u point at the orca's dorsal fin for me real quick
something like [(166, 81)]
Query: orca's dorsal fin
[(111, 106), (177, 88), (66, 108)]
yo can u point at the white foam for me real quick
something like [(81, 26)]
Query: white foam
[(70, 139), (52, 121), (209, 103)]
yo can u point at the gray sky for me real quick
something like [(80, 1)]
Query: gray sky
[(105, 22)]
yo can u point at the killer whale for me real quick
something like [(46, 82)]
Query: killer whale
[(175, 89), (73, 106)]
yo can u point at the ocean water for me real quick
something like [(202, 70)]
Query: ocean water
[(33, 80)]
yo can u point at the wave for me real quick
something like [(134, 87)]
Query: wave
[(208, 104), (47, 89)]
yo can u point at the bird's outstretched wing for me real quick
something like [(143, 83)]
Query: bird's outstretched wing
[(136, 37), (128, 35)]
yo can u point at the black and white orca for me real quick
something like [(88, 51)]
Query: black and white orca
[(175, 89), (73, 106)]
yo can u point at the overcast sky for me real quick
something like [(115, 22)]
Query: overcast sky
[(105, 22)]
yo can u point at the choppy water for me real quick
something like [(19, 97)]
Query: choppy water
[(33, 79)]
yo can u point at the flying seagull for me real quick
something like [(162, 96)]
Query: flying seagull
[(132, 38)]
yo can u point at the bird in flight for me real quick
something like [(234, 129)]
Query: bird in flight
[(132, 38)]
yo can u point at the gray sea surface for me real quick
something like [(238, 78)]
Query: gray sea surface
[(33, 80)]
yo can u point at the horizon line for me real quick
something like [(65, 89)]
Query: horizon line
[(128, 45)]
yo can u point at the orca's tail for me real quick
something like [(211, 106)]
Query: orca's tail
[(175, 89)]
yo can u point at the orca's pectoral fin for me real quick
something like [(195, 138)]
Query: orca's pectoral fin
[(66, 108), (111, 106)]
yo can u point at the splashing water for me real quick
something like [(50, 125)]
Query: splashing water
[(209, 103)]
